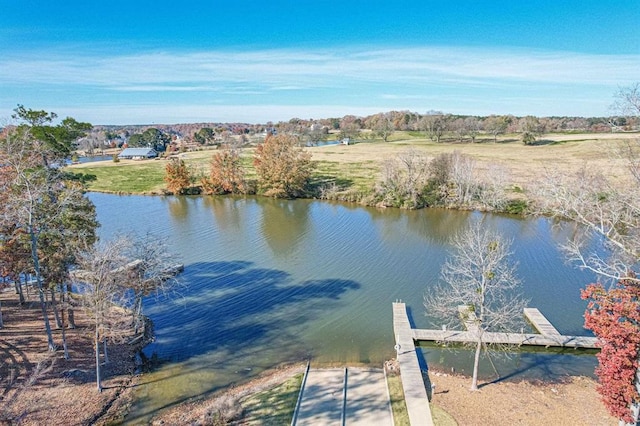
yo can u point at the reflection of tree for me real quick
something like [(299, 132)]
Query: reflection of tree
[(284, 222), (178, 207), (226, 210), (438, 225)]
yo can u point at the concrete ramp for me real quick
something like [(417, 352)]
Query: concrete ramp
[(322, 398), (367, 398), (343, 396)]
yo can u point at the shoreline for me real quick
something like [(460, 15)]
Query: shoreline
[(527, 402), (63, 392)]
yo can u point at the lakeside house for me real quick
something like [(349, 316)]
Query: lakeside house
[(137, 154)]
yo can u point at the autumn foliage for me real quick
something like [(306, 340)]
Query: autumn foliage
[(614, 316), (283, 169), (226, 175), (177, 176)]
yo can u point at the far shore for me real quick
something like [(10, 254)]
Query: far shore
[(358, 167)]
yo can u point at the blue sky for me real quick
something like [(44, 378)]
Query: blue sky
[(143, 62)]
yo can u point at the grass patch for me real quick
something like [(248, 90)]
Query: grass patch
[(441, 417), (398, 406), (360, 176), (274, 406), (355, 168), (129, 178)]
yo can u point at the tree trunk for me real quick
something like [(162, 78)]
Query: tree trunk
[(26, 284), (64, 334), (476, 363), (72, 320), (19, 291), (97, 346), (54, 307), (137, 313), (41, 294), (106, 354)]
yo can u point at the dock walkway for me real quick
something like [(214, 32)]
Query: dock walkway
[(548, 337), (415, 392)]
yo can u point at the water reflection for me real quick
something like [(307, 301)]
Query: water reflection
[(228, 211), (284, 224), (237, 302), (178, 207)]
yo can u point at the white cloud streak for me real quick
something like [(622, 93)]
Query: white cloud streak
[(292, 70)]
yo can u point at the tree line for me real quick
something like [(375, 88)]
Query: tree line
[(435, 125)]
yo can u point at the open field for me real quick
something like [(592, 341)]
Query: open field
[(358, 166)]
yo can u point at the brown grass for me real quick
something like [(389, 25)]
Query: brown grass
[(525, 163)]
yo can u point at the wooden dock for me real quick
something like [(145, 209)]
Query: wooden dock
[(548, 337), (415, 393), (540, 322)]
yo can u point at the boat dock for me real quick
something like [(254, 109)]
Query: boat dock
[(415, 392), (548, 337), (412, 382)]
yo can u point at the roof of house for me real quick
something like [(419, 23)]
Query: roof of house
[(138, 152)]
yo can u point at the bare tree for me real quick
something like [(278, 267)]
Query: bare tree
[(383, 125), (462, 177), (494, 182), (434, 125), (473, 126), (403, 179), (627, 101), (496, 125), (602, 211), (479, 281), (152, 271), (101, 272)]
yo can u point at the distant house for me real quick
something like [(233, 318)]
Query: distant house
[(137, 153)]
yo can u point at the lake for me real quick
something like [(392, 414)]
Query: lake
[(273, 281)]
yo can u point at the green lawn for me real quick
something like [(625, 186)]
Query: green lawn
[(274, 406), (140, 178), (146, 177)]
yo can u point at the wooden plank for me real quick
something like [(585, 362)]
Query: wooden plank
[(540, 322), (415, 393), (459, 336)]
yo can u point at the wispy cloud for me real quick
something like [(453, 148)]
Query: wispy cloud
[(266, 82), (293, 69)]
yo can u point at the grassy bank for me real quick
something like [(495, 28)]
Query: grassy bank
[(357, 167)]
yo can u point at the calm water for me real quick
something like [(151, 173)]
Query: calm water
[(271, 281)]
